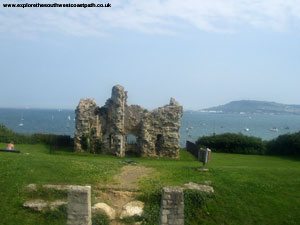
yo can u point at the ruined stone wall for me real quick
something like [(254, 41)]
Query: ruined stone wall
[(160, 131), (113, 116), (157, 132), (88, 127)]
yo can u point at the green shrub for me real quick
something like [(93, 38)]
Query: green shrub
[(287, 144), (233, 143), (151, 196), (131, 219), (57, 214), (194, 202), (100, 219), (7, 135)]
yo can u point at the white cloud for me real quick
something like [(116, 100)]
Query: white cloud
[(155, 16)]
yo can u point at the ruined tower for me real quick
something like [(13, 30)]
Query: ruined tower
[(107, 129)]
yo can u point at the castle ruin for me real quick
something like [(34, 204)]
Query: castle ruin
[(117, 128)]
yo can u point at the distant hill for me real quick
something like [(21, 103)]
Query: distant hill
[(251, 106)]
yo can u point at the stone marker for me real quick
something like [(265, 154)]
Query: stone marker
[(172, 206), (79, 205)]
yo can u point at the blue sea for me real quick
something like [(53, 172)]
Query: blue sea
[(193, 125)]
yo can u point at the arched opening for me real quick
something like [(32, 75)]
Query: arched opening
[(131, 146)]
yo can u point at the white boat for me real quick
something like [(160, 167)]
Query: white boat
[(275, 129), (246, 129), (21, 124), (69, 117)]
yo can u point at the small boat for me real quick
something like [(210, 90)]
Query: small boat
[(190, 135), (69, 117), (246, 129), (287, 128), (21, 121), (275, 129)]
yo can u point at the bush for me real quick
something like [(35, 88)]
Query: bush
[(100, 219), (7, 135), (194, 209), (233, 143), (151, 195), (287, 144)]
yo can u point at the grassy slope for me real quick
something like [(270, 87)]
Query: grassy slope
[(19, 170), (249, 189)]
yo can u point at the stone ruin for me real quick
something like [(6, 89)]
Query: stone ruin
[(118, 128)]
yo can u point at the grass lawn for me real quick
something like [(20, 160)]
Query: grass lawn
[(248, 189)]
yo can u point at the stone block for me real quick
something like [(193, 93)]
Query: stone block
[(172, 210), (79, 205)]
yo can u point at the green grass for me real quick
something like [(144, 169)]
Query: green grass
[(249, 189)]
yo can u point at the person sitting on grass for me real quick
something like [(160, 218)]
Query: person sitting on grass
[(10, 146)]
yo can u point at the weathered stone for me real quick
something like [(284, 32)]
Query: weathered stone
[(199, 187), (40, 205), (104, 208), (207, 182), (106, 129), (79, 205), (54, 205), (36, 204), (31, 187), (203, 169), (172, 207), (134, 208), (57, 187)]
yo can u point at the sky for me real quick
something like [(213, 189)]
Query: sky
[(201, 52)]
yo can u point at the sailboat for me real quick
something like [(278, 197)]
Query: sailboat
[(68, 122), (21, 122)]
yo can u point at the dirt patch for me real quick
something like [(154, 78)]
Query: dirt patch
[(123, 190), (127, 179)]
